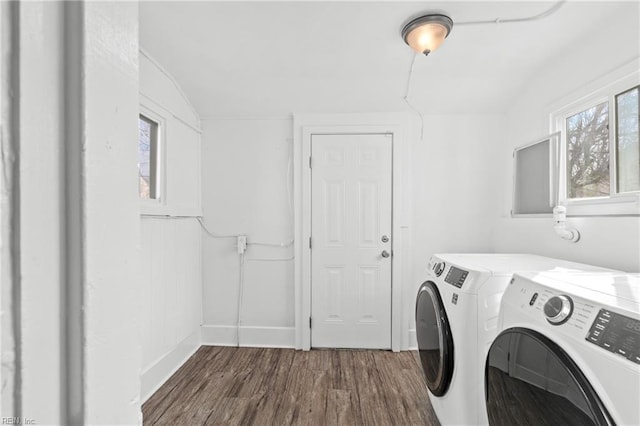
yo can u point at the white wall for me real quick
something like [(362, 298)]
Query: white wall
[(245, 172), (245, 163), (612, 242), (454, 191), (171, 253), (172, 288)]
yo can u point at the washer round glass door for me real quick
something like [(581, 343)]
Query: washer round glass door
[(435, 343), (531, 380)]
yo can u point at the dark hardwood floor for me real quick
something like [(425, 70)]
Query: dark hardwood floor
[(260, 386)]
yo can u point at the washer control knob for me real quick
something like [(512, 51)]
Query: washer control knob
[(439, 268), (558, 309)]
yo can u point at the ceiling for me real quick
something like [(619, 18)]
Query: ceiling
[(269, 59)]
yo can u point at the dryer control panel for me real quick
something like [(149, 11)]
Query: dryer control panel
[(456, 276), (616, 333)]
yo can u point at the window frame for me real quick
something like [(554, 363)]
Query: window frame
[(554, 143), (615, 204), (617, 153), (152, 205)]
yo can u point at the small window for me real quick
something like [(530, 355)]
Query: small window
[(148, 158)]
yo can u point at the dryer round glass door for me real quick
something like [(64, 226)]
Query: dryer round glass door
[(435, 343), (531, 380)]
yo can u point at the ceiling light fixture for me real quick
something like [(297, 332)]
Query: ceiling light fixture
[(426, 33)]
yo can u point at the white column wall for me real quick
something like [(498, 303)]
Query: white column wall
[(33, 345), (111, 229)]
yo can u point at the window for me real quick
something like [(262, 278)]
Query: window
[(148, 158), (627, 146), (600, 155), (587, 145)]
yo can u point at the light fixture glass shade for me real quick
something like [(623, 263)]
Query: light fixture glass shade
[(426, 33)]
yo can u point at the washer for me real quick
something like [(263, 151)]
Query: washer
[(457, 319), (569, 352)]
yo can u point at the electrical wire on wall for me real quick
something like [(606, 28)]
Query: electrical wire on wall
[(267, 259), (240, 299), (290, 177), (288, 243), (244, 243), (213, 234), (553, 9)]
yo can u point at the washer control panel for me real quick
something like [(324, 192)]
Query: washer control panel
[(558, 309), (616, 333), (581, 319), (572, 313)]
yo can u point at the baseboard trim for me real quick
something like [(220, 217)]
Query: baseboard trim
[(413, 341), (158, 373), (257, 337)]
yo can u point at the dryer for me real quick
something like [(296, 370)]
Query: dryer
[(457, 320), (569, 351)]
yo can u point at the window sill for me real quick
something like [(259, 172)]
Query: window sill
[(616, 205), (157, 209), (152, 207)]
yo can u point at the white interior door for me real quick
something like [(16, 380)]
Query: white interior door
[(351, 241)]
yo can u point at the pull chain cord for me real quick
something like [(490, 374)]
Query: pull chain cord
[(406, 97)]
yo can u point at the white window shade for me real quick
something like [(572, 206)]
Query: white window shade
[(535, 181)]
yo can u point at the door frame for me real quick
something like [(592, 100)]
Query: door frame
[(396, 124)]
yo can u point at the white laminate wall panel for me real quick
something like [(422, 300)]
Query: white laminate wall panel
[(172, 308), (172, 281), (187, 276), (155, 297), (196, 253), (146, 231), (181, 276)]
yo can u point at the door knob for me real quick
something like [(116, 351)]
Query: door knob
[(385, 253)]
